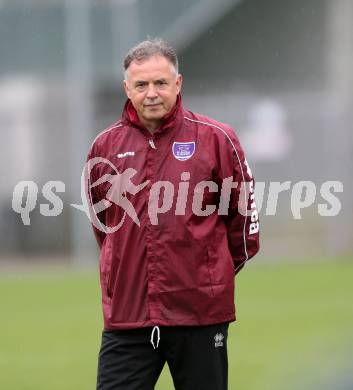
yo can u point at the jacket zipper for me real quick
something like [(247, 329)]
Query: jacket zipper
[(152, 144)]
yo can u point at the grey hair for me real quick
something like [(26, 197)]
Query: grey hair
[(148, 48)]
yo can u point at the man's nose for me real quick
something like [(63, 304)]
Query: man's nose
[(151, 92)]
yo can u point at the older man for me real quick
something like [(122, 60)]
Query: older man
[(177, 225)]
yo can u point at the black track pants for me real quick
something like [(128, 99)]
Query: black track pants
[(196, 356)]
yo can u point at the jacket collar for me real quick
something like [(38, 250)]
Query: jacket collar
[(172, 120)]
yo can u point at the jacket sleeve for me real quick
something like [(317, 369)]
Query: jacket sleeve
[(93, 197), (241, 219)]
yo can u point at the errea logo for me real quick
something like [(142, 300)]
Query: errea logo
[(218, 340), (126, 154)]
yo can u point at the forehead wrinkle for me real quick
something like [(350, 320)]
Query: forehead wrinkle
[(139, 70)]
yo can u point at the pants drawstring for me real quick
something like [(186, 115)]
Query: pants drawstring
[(155, 328)]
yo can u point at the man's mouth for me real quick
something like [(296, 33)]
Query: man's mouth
[(153, 105)]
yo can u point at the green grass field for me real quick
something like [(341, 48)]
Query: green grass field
[(294, 329)]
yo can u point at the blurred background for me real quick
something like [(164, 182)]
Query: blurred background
[(280, 72)]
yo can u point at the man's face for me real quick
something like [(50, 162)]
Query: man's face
[(152, 86)]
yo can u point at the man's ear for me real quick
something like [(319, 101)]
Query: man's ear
[(179, 82), (126, 88)]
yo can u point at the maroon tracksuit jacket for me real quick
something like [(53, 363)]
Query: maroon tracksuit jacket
[(163, 261)]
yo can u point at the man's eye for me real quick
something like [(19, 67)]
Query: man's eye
[(161, 82)]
